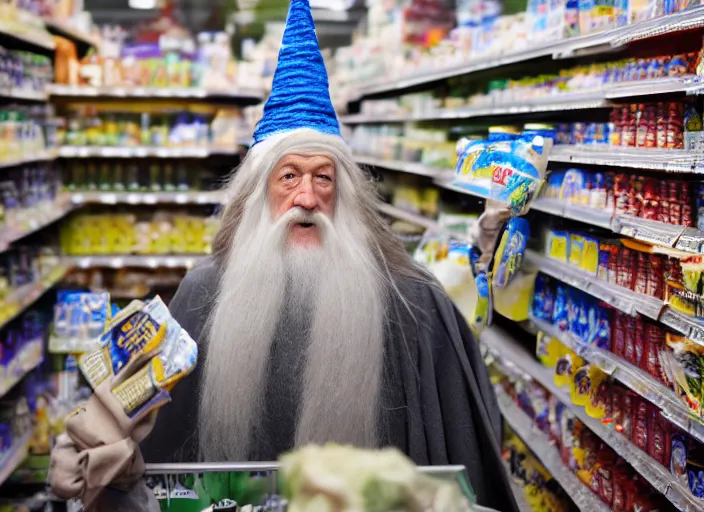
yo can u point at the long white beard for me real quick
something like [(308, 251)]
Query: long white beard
[(344, 358)]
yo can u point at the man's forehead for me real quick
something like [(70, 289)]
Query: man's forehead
[(315, 158)]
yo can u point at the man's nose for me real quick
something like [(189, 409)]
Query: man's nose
[(305, 195)]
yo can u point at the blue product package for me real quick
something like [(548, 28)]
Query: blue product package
[(560, 313), (130, 336), (543, 298), (510, 251)]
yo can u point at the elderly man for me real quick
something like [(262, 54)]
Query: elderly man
[(313, 323)]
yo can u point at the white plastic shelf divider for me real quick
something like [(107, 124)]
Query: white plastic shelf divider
[(547, 454), (659, 477), (39, 156), (14, 456), (16, 93), (630, 376), (129, 92), (69, 32), (188, 197), (602, 42), (28, 28), (399, 165), (672, 160), (139, 261), (23, 297), (566, 101), (42, 217), (141, 152)]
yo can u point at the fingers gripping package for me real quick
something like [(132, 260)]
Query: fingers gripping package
[(144, 352), (508, 169)]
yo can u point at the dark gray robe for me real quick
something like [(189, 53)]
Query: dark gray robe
[(438, 405)]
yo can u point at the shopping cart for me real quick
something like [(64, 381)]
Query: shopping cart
[(201, 484)]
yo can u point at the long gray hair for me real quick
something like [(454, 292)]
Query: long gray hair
[(360, 266)]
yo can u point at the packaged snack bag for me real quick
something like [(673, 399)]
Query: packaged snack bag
[(598, 403), (684, 365), (548, 350), (509, 171), (509, 254)]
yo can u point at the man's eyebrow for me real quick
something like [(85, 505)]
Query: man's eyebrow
[(286, 164)]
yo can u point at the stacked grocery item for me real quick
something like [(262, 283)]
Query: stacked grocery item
[(27, 194), (668, 358), (664, 125), (482, 31), (136, 176), (670, 201), (89, 125), (594, 78), (541, 491), (429, 146), (596, 464), (160, 232), (173, 61), (24, 71), (26, 134), (22, 265)]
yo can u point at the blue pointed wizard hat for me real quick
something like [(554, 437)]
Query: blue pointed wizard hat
[(299, 95)]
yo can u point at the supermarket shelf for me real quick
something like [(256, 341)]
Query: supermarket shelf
[(140, 261), (39, 156), (659, 477), (412, 218), (71, 345), (480, 64), (667, 85), (23, 94), (14, 456), (23, 297), (29, 31), (619, 297), (141, 152), (401, 166), (593, 43), (27, 359), (566, 101), (653, 232), (63, 29), (592, 216), (45, 215), (189, 197), (650, 231), (129, 92), (548, 455), (632, 377), (672, 160)]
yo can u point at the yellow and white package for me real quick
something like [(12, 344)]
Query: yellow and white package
[(145, 352)]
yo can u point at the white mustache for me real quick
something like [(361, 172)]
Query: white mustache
[(298, 215)]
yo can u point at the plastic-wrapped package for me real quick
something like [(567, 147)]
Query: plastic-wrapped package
[(509, 171)]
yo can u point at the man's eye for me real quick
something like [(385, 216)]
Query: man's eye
[(289, 176), (324, 177)]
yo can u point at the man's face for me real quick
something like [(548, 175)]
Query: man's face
[(305, 181)]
